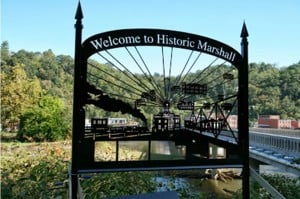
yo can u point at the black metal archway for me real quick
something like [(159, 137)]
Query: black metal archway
[(198, 131)]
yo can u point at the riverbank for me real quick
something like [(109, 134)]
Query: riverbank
[(202, 181), (34, 170)]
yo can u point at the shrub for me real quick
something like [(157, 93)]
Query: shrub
[(44, 121), (32, 170), (287, 186)]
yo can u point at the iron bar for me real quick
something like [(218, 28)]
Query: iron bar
[(114, 84), (170, 71), (199, 75), (211, 72), (191, 66), (116, 78), (151, 79), (164, 70), (135, 81), (145, 74), (179, 77), (139, 81)]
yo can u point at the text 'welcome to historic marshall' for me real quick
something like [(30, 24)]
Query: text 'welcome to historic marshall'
[(162, 40)]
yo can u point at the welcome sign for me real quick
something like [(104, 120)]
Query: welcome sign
[(195, 136), (159, 37)]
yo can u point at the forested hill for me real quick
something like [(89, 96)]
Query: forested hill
[(26, 76)]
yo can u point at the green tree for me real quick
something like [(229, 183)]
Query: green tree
[(44, 121), (264, 88), (17, 92), (290, 81), (30, 61), (290, 89), (4, 53)]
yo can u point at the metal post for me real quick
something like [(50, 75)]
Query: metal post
[(77, 105), (243, 112)]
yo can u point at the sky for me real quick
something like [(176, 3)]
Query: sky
[(273, 25)]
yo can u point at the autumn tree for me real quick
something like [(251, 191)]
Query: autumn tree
[(17, 92)]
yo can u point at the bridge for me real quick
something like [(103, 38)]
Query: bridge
[(280, 148), (277, 147)]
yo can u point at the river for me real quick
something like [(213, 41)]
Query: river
[(167, 150), (216, 187), (213, 188)]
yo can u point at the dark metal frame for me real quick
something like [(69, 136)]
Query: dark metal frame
[(83, 148)]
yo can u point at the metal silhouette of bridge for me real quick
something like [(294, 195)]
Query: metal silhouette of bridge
[(280, 148), (190, 101)]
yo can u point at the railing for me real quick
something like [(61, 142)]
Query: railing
[(283, 132), (282, 144)]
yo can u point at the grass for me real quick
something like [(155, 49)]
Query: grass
[(33, 170)]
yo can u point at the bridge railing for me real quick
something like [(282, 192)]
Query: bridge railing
[(214, 128), (283, 132), (282, 144)]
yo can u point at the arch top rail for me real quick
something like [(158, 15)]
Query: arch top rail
[(159, 37)]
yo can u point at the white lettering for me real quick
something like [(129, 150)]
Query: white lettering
[(115, 41), (97, 44), (202, 46), (166, 40)]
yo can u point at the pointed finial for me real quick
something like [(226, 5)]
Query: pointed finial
[(244, 32), (79, 14)]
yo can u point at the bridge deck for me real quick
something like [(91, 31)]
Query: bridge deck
[(286, 163), (276, 149), (223, 139)]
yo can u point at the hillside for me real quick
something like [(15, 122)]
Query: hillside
[(272, 90)]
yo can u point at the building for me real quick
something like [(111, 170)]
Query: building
[(296, 124), (274, 121), (233, 121)]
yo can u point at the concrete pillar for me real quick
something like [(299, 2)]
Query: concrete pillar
[(255, 164)]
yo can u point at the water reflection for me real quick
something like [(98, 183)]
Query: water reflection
[(218, 188), (210, 187), (165, 150), (138, 150)]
